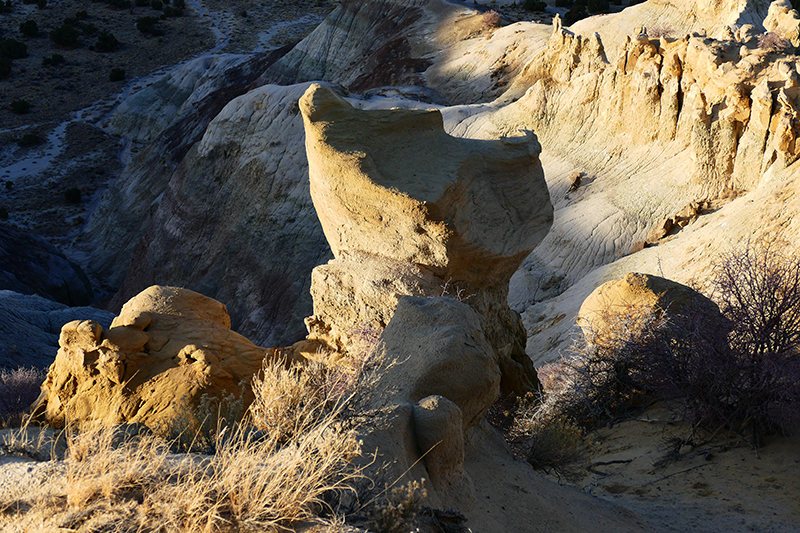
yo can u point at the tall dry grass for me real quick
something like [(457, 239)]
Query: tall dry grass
[(289, 461)]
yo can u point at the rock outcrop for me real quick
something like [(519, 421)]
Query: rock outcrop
[(30, 325), (408, 210), (29, 264), (166, 349)]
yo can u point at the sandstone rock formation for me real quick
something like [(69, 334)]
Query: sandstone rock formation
[(408, 209), (166, 349), (637, 293), (30, 325), (31, 265)]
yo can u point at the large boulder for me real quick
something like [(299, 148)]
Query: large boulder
[(29, 264), (166, 349), (640, 296), (29, 328), (410, 210)]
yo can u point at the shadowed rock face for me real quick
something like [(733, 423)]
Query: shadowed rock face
[(408, 209), (31, 265), (167, 348)]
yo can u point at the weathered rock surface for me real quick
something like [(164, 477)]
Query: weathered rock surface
[(391, 187), (30, 325), (167, 348), (29, 264), (170, 116)]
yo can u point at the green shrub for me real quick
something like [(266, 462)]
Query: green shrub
[(179, 4), (172, 12), (88, 28), (53, 60), (563, 3), (142, 3), (106, 42), (598, 6), (20, 107), (29, 28), (574, 15), (13, 49), (534, 5), (41, 4), (30, 139), (5, 68), (147, 25), (65, 35), (158, 5), (117, 74), (3, 213), (82, 15), (72, 195)]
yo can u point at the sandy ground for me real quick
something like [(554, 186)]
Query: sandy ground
[(723, 485)]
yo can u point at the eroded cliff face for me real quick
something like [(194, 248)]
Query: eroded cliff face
[(236, 219), (654, 120)]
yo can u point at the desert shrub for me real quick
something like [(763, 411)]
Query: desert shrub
[(119, 4), (553, 445), (158, 5), (772, 42), (563, 3), (598, 6), (170, 11), (88, 28), (73, 195), (41, 4), (490, 20), (65, 35), (179, 4), (13, 49), (82, 15), (29, 139), (738, 374), (5, 68), (20, 107), (117, 74), (148, 25), (18, 390), (106, 42), (142, 3), (398, 508), (534, 5), (659, 31), (574, 15), (3, 213), (53, 60), (29, 28)]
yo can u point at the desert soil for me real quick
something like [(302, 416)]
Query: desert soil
[(723, 485)]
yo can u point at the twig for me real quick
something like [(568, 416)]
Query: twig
[(616, 462), (674, 474)]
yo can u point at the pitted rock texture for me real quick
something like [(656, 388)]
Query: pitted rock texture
[(390, 186), (167, 348)]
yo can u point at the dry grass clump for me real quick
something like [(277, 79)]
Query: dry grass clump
[(263, 476)]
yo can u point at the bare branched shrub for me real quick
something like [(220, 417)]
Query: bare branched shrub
[(490, 20), (659, 31), (18, 390), (772, 42)]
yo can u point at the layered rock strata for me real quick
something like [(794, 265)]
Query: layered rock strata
[(166, 349), (410, 210)]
